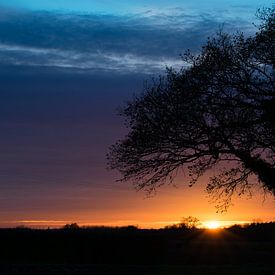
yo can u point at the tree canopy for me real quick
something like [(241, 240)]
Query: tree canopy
[(217, 111)]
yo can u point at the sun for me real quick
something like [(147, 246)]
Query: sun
[(212, 225)]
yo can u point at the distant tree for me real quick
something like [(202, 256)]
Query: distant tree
[(189, 222), (71, 226), (216, 112), (256, 221)]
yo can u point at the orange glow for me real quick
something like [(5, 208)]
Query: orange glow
[(121, 206), (212, 225)]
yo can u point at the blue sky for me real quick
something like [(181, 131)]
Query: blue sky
[(133, 6), (119, 36), (65, 67)]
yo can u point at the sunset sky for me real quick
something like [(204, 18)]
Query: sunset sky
[(65, 67)]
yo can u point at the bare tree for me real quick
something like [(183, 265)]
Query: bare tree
[(189, 222), (217, 112)]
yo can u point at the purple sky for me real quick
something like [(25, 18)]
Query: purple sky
[(63, 73)]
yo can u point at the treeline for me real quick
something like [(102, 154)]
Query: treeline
[(130, 245)]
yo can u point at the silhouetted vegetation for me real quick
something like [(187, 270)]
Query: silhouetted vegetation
[(111, 248), (71, 226), (217, 112), (189, 222)]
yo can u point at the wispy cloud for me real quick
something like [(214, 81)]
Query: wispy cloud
[(145, 42), (119, 62)]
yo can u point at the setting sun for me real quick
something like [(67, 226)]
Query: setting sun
[(212, 225)]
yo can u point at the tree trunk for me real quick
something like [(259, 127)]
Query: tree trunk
[(261, 168)]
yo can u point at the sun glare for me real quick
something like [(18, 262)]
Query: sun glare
[(212, 225)]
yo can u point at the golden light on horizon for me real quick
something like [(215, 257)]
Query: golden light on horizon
[(212, 225)]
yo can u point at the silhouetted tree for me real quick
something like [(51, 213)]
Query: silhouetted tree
[(216, 112), (71, 226), (189, 222)]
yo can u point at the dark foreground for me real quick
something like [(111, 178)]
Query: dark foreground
[(129, 250)]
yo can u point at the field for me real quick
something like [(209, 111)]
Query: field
[(130, 250)]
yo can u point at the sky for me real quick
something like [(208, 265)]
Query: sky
[(65, 68)]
